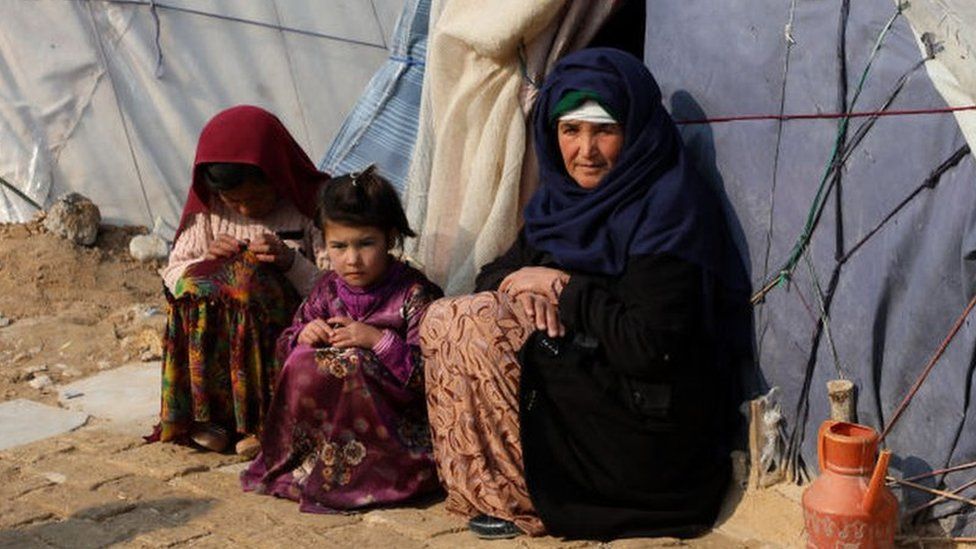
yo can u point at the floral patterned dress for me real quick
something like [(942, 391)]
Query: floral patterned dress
[(219, 356), (347, 428)]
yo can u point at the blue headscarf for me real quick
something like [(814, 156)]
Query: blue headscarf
[(650, 202)]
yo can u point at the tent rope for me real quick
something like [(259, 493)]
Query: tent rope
[(20, 193), (379, 25), (929, 183), (251, 22), (103, 59), (767, 253), (291, 72), (825, 115), (820, 197), (830, 177), (824, 317)]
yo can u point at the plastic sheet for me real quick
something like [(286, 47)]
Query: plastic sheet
[(106, 98), (889, 265)]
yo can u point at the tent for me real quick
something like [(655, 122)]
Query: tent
[(858, 231), (107, 98)]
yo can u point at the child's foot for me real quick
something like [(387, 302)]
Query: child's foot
[(248, 447), (210, 437)]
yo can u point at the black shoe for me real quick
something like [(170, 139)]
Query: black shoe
[(488, 527)]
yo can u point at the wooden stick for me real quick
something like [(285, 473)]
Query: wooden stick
[(928, 368), (756, 409), (933, 501), (943, 493), (912, 539), (954, 468)]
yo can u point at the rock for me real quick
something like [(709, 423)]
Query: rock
[(56, 478), (104, 365), (128, 396), (148, 247), (147, 344), (40, 382), (31, 370), (23, 421), (4, 321), (75, 218)]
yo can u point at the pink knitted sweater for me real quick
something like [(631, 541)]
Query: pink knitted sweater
[(193, 242)]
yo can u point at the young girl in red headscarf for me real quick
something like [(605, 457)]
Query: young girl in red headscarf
[(245, 254)]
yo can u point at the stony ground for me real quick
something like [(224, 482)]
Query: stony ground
[(98, 488)]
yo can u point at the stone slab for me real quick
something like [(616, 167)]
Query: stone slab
[(127, 396), (23, 421)]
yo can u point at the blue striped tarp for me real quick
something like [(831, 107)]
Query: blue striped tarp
[(382, 127)]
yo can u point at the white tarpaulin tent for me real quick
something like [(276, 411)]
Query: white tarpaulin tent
[(107, 98)]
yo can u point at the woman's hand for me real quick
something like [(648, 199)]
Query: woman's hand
[(268, 248), (346, 332), (543, 281), (224, 245), (542, 312), (316, 333)]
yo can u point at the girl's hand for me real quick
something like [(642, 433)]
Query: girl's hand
[(543, 281), (317, 332), (348, 333), (543, 312), (224, 245), (268, 248)]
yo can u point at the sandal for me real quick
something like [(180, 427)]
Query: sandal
[(248, 447), (210, 437), (489, 527)]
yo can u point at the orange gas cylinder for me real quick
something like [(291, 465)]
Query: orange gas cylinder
[(849, 506)]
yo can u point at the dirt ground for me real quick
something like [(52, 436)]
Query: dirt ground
[(72, 310), (67, 312)]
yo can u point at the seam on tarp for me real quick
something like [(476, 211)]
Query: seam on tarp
[(291, 72), (251, 22), (379, 25)]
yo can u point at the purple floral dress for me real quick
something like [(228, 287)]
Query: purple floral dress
[(347, 428)]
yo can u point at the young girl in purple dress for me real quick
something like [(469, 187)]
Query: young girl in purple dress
[(347, 426)]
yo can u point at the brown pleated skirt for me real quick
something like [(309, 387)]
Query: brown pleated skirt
[(470, 346)]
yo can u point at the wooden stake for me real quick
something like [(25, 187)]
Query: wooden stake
[(841, 393), (756, 410)]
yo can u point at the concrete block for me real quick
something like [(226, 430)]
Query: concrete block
[(127, 396), (23, 421)]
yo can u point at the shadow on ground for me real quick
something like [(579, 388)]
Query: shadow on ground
[(159, 522)]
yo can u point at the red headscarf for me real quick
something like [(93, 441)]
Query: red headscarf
[(251, 135)]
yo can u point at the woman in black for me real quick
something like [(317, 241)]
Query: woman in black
[(589, 394)]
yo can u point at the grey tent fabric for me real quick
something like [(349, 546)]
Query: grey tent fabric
[(107, 98), (891, 257), (382, 127)]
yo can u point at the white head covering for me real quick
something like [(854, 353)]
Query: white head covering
[(589, 111)]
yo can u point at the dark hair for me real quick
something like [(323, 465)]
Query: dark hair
[(224, 176), (363, 199)]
